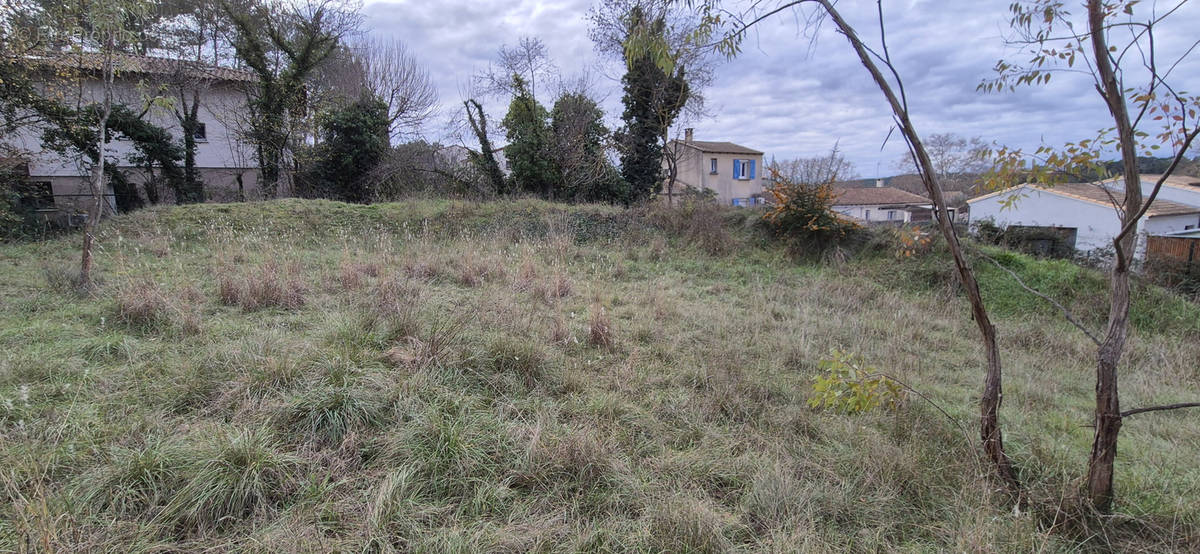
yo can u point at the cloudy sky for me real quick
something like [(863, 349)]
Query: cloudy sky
[(787, 94)]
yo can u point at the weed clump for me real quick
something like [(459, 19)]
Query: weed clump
[(270, 286), (600, 329), (134, 480), (525, 361), (142, 304), (245, 472), (326, 416)]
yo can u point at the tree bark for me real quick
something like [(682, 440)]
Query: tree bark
[(96, 180), (992, 397), (1108, 356)]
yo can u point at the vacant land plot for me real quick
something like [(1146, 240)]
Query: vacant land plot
[(451, 377)]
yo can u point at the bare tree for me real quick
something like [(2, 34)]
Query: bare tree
[(958, 160), (816, 170), (878, 63), (1116, 49), (399, 80), (529, 59)]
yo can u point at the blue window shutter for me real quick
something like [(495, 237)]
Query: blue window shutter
[(752, 169), (737, 169)]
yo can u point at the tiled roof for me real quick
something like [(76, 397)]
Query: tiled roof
[(149, 65), (1111, 198), (715, 147), (1176, 180), (875, 196), (1096, 194)]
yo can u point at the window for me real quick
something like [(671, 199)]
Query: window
[(867, 215), (200, 134), (891, 215), (712, 166), (38, 195), (743, 169)]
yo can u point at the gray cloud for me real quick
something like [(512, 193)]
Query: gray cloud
[(791, 96)]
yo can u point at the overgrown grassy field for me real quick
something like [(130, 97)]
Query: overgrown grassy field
[(436, 376)]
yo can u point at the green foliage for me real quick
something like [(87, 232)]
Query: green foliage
[(354, 141), (529, 144), (653, 99), (484, 161), (803, 212), (850, 386), (577, 124)]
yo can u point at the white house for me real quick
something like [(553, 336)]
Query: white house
[(880, 204), (225, 163), (1085, 212)]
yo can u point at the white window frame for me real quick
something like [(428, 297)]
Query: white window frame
[(712, 166), (745, 173)]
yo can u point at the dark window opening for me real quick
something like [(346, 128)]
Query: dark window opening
[(200, 133), (38, 195)]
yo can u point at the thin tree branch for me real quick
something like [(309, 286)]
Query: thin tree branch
[(1128, 413), (1066, 313)]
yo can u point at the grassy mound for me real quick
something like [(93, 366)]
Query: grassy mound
[(446, 376)]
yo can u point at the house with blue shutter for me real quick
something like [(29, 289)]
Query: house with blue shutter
[(730, 170)]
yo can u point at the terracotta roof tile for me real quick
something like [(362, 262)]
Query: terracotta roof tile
[(715, 147), (149, 65), (1101, 195), (873, 196)]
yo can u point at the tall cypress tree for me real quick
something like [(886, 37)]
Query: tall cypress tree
[(653, 99)]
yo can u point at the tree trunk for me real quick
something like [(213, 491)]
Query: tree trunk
[(96, 181), (990, 401), (1108, 356)]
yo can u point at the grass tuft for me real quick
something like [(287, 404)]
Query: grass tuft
[(327, 415), (244, 473)]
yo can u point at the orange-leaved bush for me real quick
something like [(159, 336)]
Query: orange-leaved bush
[(804, 211)]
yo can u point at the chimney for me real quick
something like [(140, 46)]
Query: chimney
[(688, 134), (878, 183)]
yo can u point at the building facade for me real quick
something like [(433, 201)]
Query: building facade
[(731, 171), (155, 88)]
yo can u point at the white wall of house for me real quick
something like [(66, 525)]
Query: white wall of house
[(875, 212), (1096, 224), (221, 156)]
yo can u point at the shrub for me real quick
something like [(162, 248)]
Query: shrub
[(803, 213), (850, 386)]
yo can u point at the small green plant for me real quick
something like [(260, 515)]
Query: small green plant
[(848, 385)]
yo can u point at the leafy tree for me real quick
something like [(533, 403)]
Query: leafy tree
[(529, 144), (484, 160), (1162, 115), (354, 139), (579, 151), (653, 98), (283, 45)]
